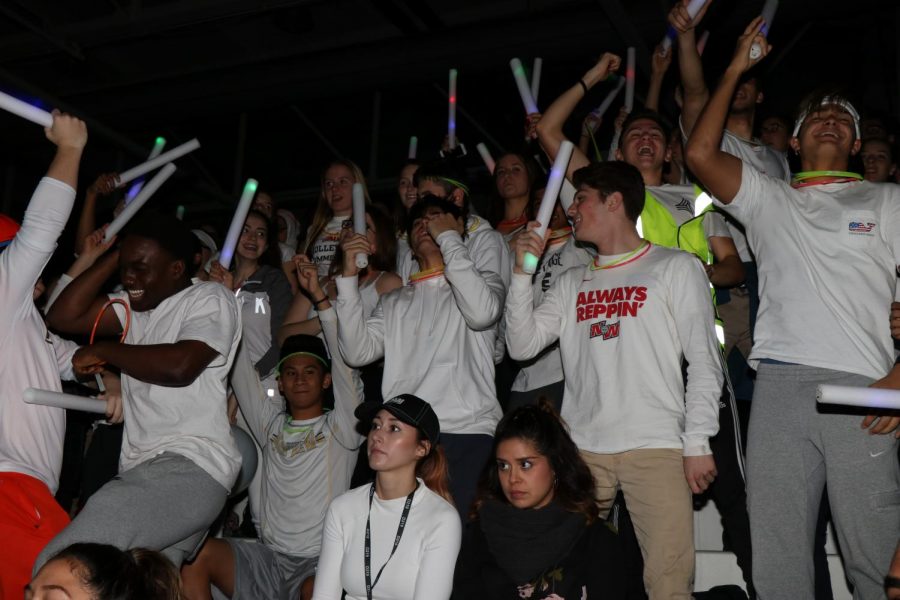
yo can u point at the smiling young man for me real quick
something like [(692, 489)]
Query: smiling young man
[(178, 459), (827, 250), (625, 323), (308, 459)]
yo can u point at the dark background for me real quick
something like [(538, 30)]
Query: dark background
[(275, 89)]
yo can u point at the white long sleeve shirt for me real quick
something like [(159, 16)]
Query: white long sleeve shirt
[(622, 334), (422, 567), (436, 336), (306, 464), (31, 436)]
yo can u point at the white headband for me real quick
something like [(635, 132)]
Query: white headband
[(830, 100)]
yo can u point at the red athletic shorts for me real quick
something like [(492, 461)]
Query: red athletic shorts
[(29, 518)]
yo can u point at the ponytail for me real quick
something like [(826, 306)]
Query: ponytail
[(433, 470)]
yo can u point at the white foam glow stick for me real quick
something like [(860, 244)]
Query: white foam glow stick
[(693, 8), (131, 209), (614, 145), (548, 202), (567, 195), (60, 400), (176, 152), (237, 223), (413, 147), (768, 15), (22, 109), (629, 79), (158, 146), (858, 396), (524, 88), (451, 118), (701, 43), (179, 212), (604, 106), (536, 79), (359, 221), (486, 157)]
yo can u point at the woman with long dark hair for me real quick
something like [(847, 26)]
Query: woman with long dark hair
[(535, 530)]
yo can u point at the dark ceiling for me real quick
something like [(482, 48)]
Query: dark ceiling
[(276, 88)]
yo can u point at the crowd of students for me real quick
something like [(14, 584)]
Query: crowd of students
[(447, 422)]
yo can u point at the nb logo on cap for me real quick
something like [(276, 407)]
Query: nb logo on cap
[(395, 401)]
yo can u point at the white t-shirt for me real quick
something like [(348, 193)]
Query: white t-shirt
[(827, 257), (31, 436), (421, 568), (192, 420), (326, 245), (765, 160), (306, 464), (623, 333), (546, 368)]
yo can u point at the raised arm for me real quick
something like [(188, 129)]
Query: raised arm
[(79, 303), (530, 329), (659, 64), (694, 91), (361, 339), (550, 127), (719, 171), (87, 220), (46, 216), (345, 381)]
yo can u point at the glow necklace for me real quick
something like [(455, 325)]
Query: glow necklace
[(624, 260), (426, 274), (807, 178)]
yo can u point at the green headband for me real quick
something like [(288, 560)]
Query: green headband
[(455, 183), (292, 354)]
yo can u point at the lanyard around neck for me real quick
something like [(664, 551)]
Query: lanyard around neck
[(370, 585)]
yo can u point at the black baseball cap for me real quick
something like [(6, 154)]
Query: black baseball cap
[(305, 345), (410, 409)]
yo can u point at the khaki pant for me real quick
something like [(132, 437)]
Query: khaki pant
[(659, 502), (735, 315)]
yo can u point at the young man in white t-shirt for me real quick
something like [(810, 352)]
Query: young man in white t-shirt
[(827, 247), (625, 324), (179, 459), (31, 436), (308, 458)]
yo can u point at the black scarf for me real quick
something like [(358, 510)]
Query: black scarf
[(527, 542)]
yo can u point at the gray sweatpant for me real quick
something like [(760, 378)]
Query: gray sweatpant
[(794, 449), (166, 503)]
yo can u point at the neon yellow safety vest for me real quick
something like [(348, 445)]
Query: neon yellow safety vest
[(658, 226)]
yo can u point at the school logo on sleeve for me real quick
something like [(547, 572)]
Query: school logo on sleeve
[(861, 228)]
